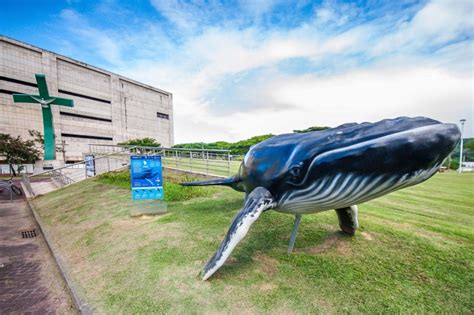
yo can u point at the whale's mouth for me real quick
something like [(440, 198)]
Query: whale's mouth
[(344, 190)]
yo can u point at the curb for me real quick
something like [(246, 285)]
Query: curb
[(78, 301)]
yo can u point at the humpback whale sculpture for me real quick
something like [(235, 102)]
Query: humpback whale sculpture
[(336, 168)]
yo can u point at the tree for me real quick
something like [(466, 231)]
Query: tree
[(468, 150), (144, 142), (310, 129), (18, 151)]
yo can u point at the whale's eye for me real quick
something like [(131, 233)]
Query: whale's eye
[(295, 171)]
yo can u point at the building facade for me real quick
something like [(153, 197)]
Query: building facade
[(108, 108)]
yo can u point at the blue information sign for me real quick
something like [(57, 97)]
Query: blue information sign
[(90, 165), (147, 181)]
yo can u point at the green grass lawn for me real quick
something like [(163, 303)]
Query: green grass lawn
[(414, 253), (214, 167)]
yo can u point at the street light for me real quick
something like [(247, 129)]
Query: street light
[(460, 149)]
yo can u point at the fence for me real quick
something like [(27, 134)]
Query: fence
[(5, 168), (206, 161), (50, 180), (108, 158)]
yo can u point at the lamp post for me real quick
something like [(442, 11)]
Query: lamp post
[(460, 148)]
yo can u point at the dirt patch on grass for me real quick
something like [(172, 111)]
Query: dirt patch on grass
[(343, 248), (328, 243), (322, 306), (367, 236), (266, 287), (335, 241), (284, 310), (266, 264), (422, 277)]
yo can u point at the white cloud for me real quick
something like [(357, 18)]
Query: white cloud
[(335, 13), (93, 40), (370, 71), (367, 95), (440, 21)]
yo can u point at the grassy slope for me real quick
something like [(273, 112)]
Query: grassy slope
[(413, 253), (215, 167)]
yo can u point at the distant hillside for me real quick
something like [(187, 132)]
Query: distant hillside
[(240, 147), (236, 148)]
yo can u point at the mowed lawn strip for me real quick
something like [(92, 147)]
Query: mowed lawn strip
[(413, 253)]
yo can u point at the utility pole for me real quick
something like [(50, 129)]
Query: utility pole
[(460, 148)]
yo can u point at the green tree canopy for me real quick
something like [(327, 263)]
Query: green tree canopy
[(468, 151), (310, 129), (18, 151), (240, 147), (146, 142), (38, 138), (236, 148)]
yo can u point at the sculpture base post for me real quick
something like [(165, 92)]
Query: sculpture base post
[(291, 244), (147, 207)]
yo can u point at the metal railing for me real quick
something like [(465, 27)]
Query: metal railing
[(108, 158), (50, 180), (25, 179), (206, 161)]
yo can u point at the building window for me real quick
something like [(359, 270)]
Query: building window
[(85, 136), (162, 115)]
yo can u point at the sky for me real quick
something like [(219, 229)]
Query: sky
[(243, 68)]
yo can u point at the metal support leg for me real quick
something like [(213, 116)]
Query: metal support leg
[(293, 233)]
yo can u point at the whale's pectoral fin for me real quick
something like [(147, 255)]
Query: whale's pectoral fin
[(348, 219), (259, 200)]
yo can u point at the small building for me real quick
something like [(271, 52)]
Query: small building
[(108, 108)]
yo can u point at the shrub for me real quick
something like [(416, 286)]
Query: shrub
[(454, 165)]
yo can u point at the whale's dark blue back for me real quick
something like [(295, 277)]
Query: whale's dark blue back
[(391, 147)]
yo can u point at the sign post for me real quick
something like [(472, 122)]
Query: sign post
[(147, 185), (90, 165)]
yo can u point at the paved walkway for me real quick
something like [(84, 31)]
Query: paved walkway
[(30, 282)]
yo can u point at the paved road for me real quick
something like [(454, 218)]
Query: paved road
[(29, 279)]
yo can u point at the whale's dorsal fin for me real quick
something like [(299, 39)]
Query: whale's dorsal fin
[(259, 200)]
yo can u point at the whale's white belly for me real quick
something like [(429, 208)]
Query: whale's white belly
[(345, 190)]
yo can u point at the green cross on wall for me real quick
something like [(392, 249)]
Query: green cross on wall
[(46, 101)]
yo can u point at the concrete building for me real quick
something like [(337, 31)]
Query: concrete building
[(108, 108)]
